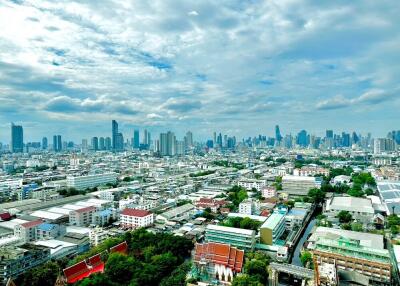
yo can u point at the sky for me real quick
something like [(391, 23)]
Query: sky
[(238, 66)]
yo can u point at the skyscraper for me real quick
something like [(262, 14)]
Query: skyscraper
[(44, 143), (102, 145), (17, 138), (329, 133), (278, 136), (167, 144), (136, 139), (107, 142), (57, 143), (302, 138), (188, 140), (95, 143), (114, 134)]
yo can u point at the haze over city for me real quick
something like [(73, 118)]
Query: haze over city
[(237, 66)]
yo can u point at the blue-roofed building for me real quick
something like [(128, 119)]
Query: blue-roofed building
[(104, 217), (49, 230)]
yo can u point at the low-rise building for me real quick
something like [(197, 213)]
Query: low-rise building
[(240, 238), (15, 261), (91, 181), (298, 185), (363, 253), (82, 217), (272, 229), (361, 209), (133, 218), (268, 192), (249, 207), (27, 231), (252, 183)]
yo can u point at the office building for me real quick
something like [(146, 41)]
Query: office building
[(17, 139), (91, 180), (302, 139), (298, 185), (188, 139), (117, 138), (272, 229), (278, 136), (237, 237), (134, 218), (44, 143), (57, 143)]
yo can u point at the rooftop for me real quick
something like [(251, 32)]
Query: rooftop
[(230, 229), (273, 220), (135, 212)]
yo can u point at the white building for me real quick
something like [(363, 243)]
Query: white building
[(91, 181), (298, 185), (268, 192), (27, 231), (133, 218), (82, 217), (252, 183), (249, 207)]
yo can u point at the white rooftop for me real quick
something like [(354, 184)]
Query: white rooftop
[(230, 229), (350, 204)]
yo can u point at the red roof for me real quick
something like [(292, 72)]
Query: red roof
[(121, 248), (81, 270), (135, 212), (5, 216), (220, 253), (33, 223), (86, 209)]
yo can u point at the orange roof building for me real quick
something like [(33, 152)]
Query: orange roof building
[(222, 261)]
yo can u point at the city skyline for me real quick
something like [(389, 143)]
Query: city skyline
[(234, 66)]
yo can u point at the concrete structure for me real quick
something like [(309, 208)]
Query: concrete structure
[(252, 183), (299, 186), (360, 208), (272, 228), (389, 192), (91, 181), (249, 207), (82, 216), (17, 260), (240, 238), (27, 231), (352, 251), (268, 192), (133, 218)]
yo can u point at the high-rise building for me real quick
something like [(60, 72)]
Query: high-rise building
[(84, 145), (17, 138), (188, 140), (57, 143), (145, 137), (102, 145), (108, 143), (345, 139), (95, 143), (278, 136), (302, 138), (44, 143), (114, 131), (382, 145), (167, 144), (329, 133), (136, 139)]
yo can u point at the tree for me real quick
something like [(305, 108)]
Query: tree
[(177, 277), (316, 195), (245, 280), (356, 226), (44, 275), (393, 220), (257, 269), (121, 268), (369, 192), (344, 217), (305, 258)]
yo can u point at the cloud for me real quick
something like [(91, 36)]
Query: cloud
[(371, 97), (199, 64)]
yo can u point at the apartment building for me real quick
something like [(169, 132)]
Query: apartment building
[(134, 218), (91, 181), (82, 217)]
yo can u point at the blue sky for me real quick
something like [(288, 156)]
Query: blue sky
[(239, 67)]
